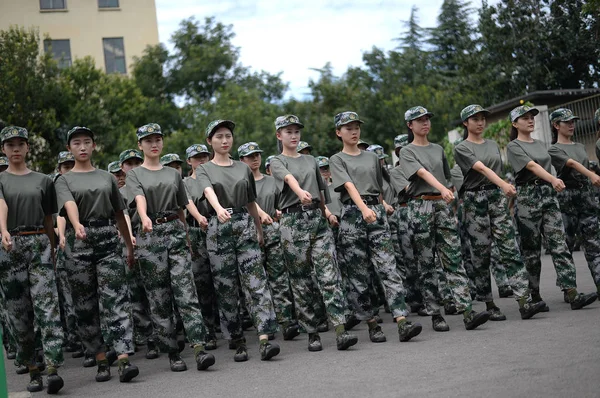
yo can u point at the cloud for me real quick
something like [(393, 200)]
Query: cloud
[(295, 35)]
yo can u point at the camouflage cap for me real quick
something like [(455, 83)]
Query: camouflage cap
[(362, 142), (196, 149), (400, 141), (3, 161), (377, 150), (53, 176), (65, 156), (10, 132), (303, 145), (323, 161), (597, 116), (170, 158), (593, 164), (268, 161), (416, 112), (457, 141), (472, 110), (521, 110), (114, 167), (130, 154), (148, 129), (248, 149), (287, 120), (562, 115), (77, 130), (215, 124), (343, 118)]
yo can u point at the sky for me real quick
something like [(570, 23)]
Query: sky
[(294, 36)]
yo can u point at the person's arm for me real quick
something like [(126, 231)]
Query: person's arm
[(49, 228), (429, 178), (594, 178), (331, 218), (73, 214), (124, 230), (264, 217), (222, 214), (253, 210), (368, 215), (304, 196), (389, 209), (61, 226), (539, 171), (6, 238), (508, 189), (142, 209), (128, 221), (193, 211)]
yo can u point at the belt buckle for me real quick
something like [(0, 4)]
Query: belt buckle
[(229, 210), (537, 182), (365, 201), (305, 207), (161, 220)]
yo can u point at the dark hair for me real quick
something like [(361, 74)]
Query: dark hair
[(554, 133), (465, 132), (513, 133), (386, 174), (411, 135)]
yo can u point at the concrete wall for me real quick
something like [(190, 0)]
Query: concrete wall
[(85, 25)]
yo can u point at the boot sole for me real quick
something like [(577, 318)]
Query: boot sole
[(129, 374), (272, 352), (480, 320), (414, 332), (536, 310), (35, 388), (102, 379), (240, 359), (206, 363), (349, 343), (441, 329), (178, 368), (498, 318), (585, 303), (315, 348), (54, 385), (291, 335), (152, 355)]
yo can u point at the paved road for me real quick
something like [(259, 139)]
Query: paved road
[(554, 354)]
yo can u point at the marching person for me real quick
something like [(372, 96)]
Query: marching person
[(173, 161)]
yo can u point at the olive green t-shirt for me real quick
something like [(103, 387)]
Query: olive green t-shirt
[(305, 170), (363, 170), (163, 189), (29, 198), (430, 157), (335, 205), (457, 177), (234, 185), (400, 183), (389, 193), (95, 193), (520, 153), (561, 153), (267, 194), (197, 196), (468, 153), (133, 214)]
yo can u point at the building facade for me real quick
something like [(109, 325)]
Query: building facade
[(112, 32)]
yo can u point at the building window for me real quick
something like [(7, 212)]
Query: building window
[(108, 3), (114, 55), (60, 50), (52, 5)]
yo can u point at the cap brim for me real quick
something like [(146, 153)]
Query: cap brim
[(15, 137), (251, 152), (300, 125), (225, 123), (485, 111)]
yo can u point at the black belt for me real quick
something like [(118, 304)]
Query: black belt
[(97, 223), (158, 219), (231, 210), (300, 208), (486, 187), (535, 181), (28, 230), (368, 200), (192, 222), (576, 185)]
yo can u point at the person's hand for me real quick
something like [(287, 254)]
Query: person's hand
[(223, 215), (595, 180), (146, 224), (203, 222), (305, 198), (265, 218), (80, 232), (7, 242), (277, 215), (558, 185), (62, 241), (509, 190), (333, 221), (369, 216), (133, 240), (447, 195), (389, 210), (261, 240)]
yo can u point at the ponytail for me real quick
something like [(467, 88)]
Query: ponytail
[(411, 135), (465, 133), (554, 134), (513, 133)]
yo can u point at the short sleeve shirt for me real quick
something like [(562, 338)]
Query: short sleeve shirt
[(163, 189), (362, 170), (468, 153), (95, 193), (430, 157), (267, 194), (400, 183), (561, 153), (133, 214), (520, 153), (29, 198), (197, 196), (457, 177), (234, 185), (335, 205), (305, 170)]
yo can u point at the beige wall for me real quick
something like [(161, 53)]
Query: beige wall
[(85, 25)]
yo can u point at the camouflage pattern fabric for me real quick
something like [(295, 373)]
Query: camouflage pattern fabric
[(28, 290), (434, 229), (406, 265), (579, 209), (65, 297), (363, 245), (488, 223), (279, 280), (203, 279), (465, 245), (309, 249), (164, 259), (100, 291), (234, 253), (538, 213), (143, 329), (497, 266)]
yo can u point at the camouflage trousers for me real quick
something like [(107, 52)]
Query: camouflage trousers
[(235, 255), (100, 291), (465, 245), (488, 223), (434, 229), (364, 246), (279, 280), (405, 259), (203, 279), (28, 290), (309, 249), (165, 268), (68, 315), (579, 209), (538, 213), (143, 329)]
